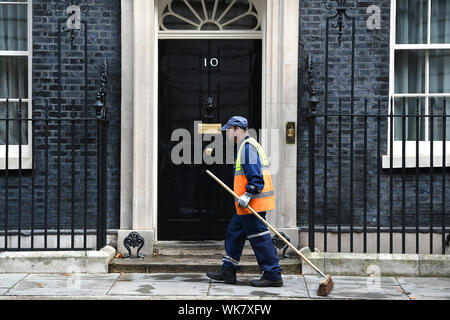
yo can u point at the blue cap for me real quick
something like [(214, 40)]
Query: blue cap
[(236, 121)]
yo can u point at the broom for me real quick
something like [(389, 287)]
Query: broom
[(326, 284)]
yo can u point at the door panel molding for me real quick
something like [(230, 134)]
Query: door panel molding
[(190, 206)]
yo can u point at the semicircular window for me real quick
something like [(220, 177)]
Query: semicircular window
[(210, 15)]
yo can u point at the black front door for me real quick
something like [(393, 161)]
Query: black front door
[(204, 81)]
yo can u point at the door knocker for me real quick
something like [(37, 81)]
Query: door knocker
[(209, 106)]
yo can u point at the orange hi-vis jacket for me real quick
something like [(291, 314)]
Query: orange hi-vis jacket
[(263, 201)]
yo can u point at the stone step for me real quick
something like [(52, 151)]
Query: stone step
[(194, 248), (193, 264)]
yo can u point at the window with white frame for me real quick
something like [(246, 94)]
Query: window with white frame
[(420, 75), (15, 81)]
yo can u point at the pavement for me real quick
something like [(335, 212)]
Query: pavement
[(196, 286)]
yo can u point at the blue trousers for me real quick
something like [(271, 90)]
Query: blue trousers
[(243, 227)]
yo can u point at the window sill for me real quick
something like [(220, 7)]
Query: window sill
[(410, 161), (13, 163)]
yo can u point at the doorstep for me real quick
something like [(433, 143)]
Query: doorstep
[(193, 257), (193, 264)]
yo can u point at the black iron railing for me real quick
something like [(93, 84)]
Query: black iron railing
[(52, 200), (356, 193)]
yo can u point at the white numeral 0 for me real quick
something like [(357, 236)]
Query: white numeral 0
[(214, 62)]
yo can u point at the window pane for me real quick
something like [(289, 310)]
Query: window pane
[(209, 15), (437, 105), (411, 21), (13, 27), (440, 21), (440, 71), (410, 71), (14, 77), (412, 130), (14, 126)]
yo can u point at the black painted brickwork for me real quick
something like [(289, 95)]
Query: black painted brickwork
[(371, 82), (103, 21)]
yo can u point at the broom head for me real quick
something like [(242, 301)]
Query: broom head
[(325, 286)]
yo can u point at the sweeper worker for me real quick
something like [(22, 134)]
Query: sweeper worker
[(253, 185)]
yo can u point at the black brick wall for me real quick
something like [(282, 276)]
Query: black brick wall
[(371, 82), (103, 21)]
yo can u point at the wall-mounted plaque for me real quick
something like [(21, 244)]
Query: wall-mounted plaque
[(209, 128)]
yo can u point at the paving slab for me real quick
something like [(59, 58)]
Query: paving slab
[(426, 288), (196, 286), (9, 280), (189, 285), (63, 285), (362, 288), (293, 286), (167, 277)]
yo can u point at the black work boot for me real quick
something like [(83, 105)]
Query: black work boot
[(228, 275), (264, 282)]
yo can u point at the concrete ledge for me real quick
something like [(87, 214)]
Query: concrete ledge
[(57, 261), (382, 264)]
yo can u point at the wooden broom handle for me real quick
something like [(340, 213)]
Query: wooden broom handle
[(267, 224)]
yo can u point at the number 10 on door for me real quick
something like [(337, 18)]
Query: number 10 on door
[(213, 62)]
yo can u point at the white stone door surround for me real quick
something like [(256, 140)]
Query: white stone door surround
[(139, 119)]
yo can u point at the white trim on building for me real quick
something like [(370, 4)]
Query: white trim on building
[(139, 134)]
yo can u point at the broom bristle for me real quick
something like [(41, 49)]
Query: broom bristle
[(325, 287)]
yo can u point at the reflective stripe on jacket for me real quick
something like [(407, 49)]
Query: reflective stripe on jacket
[(263, 201)]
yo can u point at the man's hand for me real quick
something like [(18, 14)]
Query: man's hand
[(244, 200)]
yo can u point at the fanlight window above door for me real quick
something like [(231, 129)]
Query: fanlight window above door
[(210, 15)]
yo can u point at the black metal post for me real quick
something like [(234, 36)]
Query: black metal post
[(417, 175), (19, 231), (46, 177), (101, 182), (6, 173), (403, 176), (311, 169), (58, 191), (431, 139), (365, 179), (444, 140), (339, 175), (72, 207), (85, 196), (102, 170), (378, 176), (312, 108), (391, 159), (33, 174)]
